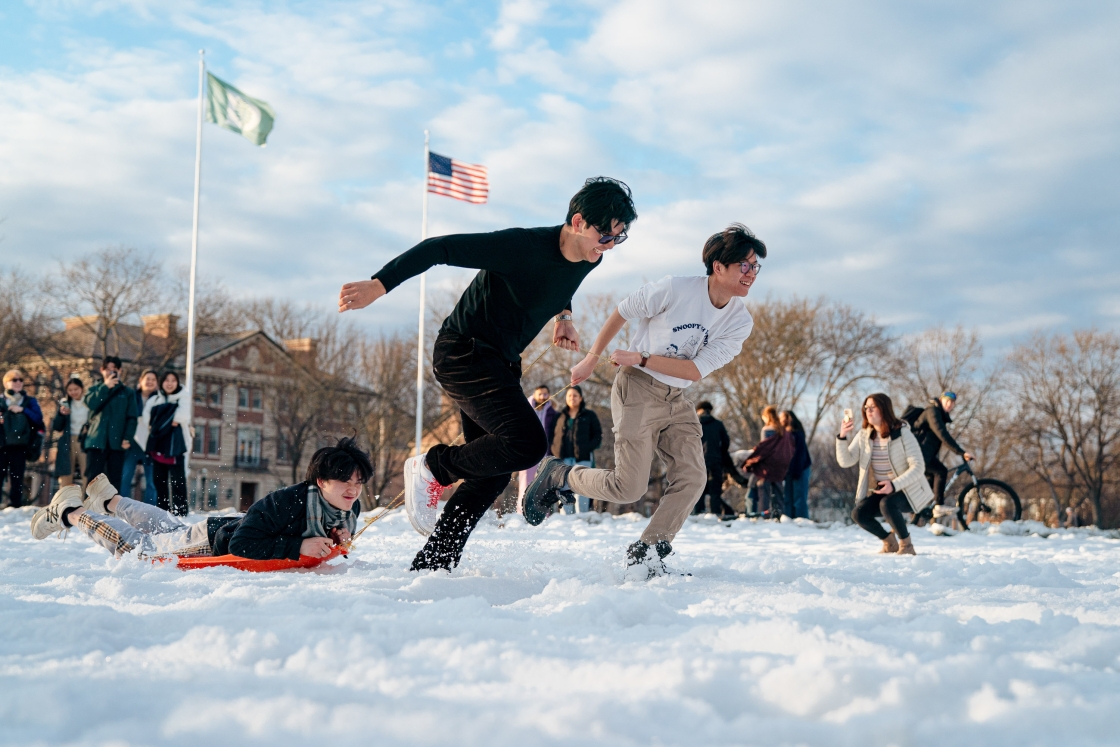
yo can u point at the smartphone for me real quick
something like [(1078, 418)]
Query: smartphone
[(848, 417)]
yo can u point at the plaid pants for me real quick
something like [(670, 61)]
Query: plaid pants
[(151, 530)]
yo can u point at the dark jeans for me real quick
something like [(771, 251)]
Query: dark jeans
[(171, 486), (768, 497), (713, 490), (109, 461), (13, 462), (502, 434), (889, 507), (937, 474), (797, 495)]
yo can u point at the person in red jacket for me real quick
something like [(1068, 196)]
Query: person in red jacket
[(769, 462)]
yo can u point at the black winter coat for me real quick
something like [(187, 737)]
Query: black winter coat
[(801, 460), (931, 432), (716, 444), (272, 529), (582, 436)]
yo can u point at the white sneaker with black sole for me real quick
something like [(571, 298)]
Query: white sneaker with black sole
[(421, 495)]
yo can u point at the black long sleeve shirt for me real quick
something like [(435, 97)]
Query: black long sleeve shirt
[(524, 281)]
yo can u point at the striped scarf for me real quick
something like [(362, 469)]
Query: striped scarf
[(323, 517)]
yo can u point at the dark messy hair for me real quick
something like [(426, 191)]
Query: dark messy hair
[(705, 406), (601, 201), (731, 246), (886, 409), (111, 359), (163, 378), (339, 463), (542, 386), (582, 401), (794, 423)]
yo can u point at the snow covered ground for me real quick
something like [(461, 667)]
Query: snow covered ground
[(783, 634)]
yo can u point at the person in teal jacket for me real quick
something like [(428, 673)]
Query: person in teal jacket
[(112, 423)]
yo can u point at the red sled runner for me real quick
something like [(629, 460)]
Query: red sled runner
[(255, 566)]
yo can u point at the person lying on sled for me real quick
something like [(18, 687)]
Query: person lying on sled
[(309, 518)]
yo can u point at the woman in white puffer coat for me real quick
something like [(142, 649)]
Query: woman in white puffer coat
[(889, 459), (164, 434)]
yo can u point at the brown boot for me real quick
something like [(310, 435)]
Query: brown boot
[(890, 544), (906, 547)]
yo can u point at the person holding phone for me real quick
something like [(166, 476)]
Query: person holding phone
[(112, 423), (891, 472), (71, 418)]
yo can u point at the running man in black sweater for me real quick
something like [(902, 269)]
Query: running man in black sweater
[(528, 275)]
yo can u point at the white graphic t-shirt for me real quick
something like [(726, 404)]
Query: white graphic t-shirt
[(676, 319)]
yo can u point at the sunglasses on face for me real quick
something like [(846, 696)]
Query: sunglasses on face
[(12, 381), (606, 238)]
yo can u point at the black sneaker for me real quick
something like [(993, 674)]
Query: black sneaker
[(546, 491), (639, 554)]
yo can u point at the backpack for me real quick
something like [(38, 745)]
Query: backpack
[(912, 414)]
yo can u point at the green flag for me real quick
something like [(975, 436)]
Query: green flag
[(229, 108)]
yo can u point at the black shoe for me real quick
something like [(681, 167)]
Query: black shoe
[(545, 493), (639, 554)]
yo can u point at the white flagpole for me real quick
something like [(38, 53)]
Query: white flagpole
[(420, 338), (194, 249)]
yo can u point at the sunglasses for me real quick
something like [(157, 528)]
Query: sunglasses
[(17, 379), (606, 238)]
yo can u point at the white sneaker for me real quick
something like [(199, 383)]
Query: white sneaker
[(421, 495), (48, 520), (98, 493)]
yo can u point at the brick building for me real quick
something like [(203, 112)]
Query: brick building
[(261, 408)]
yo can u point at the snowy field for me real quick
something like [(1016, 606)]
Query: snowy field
[(783, 634)]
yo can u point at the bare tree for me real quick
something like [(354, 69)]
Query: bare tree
[(107, 288), (1068, 389), (388, 366)]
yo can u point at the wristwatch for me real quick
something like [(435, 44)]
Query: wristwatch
[(645, 358), (563, 317)]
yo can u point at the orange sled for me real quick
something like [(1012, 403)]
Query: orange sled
[(256, 566)]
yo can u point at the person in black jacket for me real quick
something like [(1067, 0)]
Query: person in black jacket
[(929, 428), (305, 519), (800, 468), (22, 421), (717, 461), (575, 437), (527, 276)]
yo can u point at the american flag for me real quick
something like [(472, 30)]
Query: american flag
[(463, 181)]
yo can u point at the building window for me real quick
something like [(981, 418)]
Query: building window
[(198, 446), (257, 400), (281, 449), (243, 397), (214, 442), (200, 392), (216, 396), (248, 447)]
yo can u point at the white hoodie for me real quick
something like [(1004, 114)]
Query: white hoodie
[(143, 428)]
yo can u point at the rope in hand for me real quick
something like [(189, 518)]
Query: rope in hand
[(399, 499)]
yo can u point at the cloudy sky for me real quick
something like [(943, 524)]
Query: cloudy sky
[(930, 162)]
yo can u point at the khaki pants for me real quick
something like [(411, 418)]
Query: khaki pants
[(649, 416), (77, 460)]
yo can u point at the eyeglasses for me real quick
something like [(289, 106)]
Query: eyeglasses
[(746, 267), (606, 238)]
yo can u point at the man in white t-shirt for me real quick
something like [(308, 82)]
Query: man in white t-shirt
[(685, 328)]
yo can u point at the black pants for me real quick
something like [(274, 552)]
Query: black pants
[(937, 474), (889, 507), (109, 461), (171, 486), (13, 462), (502, 434), (713, 490)]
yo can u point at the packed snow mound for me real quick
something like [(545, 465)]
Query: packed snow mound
[(1027, 527), (782, 634)]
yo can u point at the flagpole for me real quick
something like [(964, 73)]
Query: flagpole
[(423, 289), (194, 249)]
